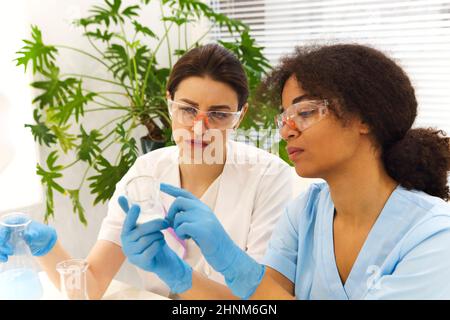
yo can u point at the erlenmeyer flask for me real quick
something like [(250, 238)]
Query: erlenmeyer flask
[(19, 278), (73, 281)]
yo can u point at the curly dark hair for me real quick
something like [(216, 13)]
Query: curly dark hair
[(363, 81)]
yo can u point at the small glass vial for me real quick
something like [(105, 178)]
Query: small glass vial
[(19, 277), (73, 280)]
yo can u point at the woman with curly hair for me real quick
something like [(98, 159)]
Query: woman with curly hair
[(378, 228)]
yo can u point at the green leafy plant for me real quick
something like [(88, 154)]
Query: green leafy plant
[(64, 99)]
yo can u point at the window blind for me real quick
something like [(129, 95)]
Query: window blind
[(416, 33)]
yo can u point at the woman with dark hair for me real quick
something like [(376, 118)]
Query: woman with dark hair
[(245, 186), (379, 227)]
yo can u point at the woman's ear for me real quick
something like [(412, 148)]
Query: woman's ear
[(168, 96), (363, 127)]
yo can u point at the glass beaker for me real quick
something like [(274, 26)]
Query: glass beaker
[(73, 280), (144, 191), (19, 278)]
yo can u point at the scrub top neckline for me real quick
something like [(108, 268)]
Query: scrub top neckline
[(361, 266)]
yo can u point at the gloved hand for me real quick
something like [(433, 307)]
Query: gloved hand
[(191, 218), (40, 238), (5, 248), (145, 246)]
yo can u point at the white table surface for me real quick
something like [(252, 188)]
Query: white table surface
[(117, 290)]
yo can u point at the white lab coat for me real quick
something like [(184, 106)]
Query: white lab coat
[(252, 191)]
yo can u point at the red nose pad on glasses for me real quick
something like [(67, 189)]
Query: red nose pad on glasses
[(291, 124), (202, 117)]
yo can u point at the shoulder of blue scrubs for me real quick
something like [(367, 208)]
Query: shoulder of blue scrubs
[(282, 252), (431, 216), (419, 266)]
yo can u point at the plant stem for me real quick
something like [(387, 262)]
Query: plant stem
[(185, 37), (70, 164), (92, 43), (133, 77), (109, 100), (83, 52), (201, 38), (115, 106), (127, 134), (111, 121), (136, 90), (104, 109), (147, 72), (166, 30), (111, 92), (179, 37), (101, 95), (95, 78)]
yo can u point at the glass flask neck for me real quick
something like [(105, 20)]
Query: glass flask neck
[(19, 278), (17, 241), (17, 223)]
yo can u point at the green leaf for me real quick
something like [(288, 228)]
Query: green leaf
[(177, 20), (104, 184), (48, 180), (121, 62), (131, 11), (139, 28), (129, 149), (56, 91), (84, 22), (120, 130), (104, 36), (75, 105), (198, 9), (77, 207), (41, 55), (156, 83), (179, 52), (40, 131), (89, 147), (65, 139), (51, 159), (117, 54), (49, 204), (142, 59), (251, 55), (109, 13)]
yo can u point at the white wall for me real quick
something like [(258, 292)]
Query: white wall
[(54, 18), (18, 153)]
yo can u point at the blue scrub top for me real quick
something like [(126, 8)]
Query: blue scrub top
[(405, 256)]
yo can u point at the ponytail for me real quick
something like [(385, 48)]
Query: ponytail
[(421, 161)]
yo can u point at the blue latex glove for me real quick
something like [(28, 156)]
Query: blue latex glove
[(145, 246), (5, 248), (191, 218), (40, 238)]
